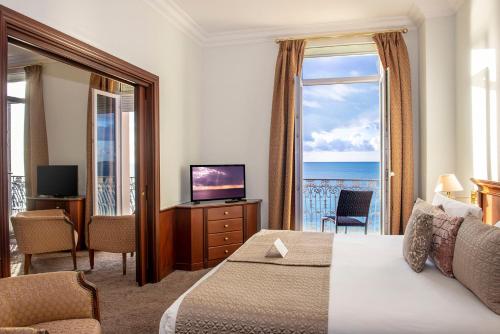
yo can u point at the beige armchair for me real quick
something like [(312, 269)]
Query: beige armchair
[(59, 302), (114, 234), (44, 231)]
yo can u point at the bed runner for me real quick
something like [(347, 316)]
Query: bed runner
[(255, 296)]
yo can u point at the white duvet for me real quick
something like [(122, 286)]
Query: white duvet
[(373, 290)]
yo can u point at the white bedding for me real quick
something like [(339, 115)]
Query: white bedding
[(373, 290)]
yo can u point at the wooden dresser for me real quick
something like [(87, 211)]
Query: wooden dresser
[(74, 207), (206, 234)]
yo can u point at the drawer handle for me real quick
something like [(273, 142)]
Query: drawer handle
[(226, 251), (226, 225), (226, 213), (226, 239)]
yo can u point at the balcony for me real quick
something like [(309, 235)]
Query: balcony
[(320, 197)]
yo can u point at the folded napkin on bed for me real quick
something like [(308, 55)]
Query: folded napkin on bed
[(312, 249)]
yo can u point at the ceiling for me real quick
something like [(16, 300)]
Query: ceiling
[(214, 17), (20, 57)]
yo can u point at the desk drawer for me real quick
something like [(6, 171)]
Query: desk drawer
[(47, 205), (221, 252), (227, 212), (226, 225), (219, 239)]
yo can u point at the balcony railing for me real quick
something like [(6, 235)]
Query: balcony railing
[(320, 197), (106, 194)]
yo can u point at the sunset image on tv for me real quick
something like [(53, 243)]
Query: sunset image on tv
[(218, 182)]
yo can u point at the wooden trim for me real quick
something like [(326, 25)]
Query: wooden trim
[(24, 31), (487, 187), (93, 291)]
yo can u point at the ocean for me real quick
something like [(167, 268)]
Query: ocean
[(342, 170)]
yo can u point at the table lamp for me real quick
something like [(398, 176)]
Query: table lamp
[(448, 183)]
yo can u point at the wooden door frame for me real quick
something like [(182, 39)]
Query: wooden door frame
[(28, 33)]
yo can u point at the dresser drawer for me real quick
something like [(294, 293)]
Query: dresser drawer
[(47, 205), (221, 252), (227, 212), (219, 239), (226, 225)]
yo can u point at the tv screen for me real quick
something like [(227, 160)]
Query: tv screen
[(216, 182), (58, 181)]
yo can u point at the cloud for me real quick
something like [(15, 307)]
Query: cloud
[(338, 92), (361, 136), (311, 104)]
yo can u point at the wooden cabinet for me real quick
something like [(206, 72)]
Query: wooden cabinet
[(74, 207), (206, 234)]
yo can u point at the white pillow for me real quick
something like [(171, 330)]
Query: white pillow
[(456, 208), (497, 224)]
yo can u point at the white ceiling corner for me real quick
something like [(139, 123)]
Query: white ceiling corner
[(179, 18)]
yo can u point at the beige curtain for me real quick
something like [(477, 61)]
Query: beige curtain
[(394, 55), (107, 85), (36, 152), (282, 143)]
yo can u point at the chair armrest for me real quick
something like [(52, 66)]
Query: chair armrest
[(48, 297)]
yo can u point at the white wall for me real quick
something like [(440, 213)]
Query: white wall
[(133, 31), (477, 92), (437, 101), (237, 96), (65, 92)]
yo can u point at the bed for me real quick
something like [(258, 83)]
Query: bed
[(372, 290)]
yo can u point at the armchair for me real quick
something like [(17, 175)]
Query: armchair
[(44, 231), (58, 302), (114, 234)]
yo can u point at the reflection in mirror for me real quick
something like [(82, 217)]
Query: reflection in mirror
[(71, 139)]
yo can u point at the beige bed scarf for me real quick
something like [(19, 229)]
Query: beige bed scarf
[(253, 294)]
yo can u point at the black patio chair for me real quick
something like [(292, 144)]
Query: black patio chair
[(351, 204)]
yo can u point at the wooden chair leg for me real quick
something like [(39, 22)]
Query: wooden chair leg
[(27, 263), (91, 258), (132, 254), (73, 254), (124, 256)]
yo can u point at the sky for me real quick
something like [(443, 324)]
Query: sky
[(341, 122)]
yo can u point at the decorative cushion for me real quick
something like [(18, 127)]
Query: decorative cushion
[(73, 326), (444, 235), (417, 239), (425, 207), (476, 263), (457, 208)]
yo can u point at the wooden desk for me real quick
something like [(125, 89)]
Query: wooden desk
[(74, 207)]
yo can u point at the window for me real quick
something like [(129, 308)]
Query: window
[(340, 129), (114, 169)]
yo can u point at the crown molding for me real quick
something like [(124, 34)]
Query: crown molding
[(250, 36), (170, 10)]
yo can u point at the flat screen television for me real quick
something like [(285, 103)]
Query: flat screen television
[(57, 181), (217, 182)]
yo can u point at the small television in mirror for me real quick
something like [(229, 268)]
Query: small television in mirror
[(57, 181)]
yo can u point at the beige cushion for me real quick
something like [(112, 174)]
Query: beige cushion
[(476, 263), (417, 240), (425, 207), (444, 235), (72, 326)]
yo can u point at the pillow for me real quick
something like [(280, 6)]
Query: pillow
[(444, 235), (497, 224), (476, 263), (428, 208), (417, 239), (456, 208)]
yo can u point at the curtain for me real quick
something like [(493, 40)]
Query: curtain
[(394, 55), (36, 152), (282, 142), (107, 85)]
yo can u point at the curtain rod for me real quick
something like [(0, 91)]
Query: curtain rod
[(342, 35)]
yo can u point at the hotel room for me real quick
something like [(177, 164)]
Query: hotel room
[(324, 166)]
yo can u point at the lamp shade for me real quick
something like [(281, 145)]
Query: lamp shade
[(448, 183)]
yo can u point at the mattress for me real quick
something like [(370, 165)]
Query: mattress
[(373, 290)]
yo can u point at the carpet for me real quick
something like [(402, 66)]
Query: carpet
[(124, 307)]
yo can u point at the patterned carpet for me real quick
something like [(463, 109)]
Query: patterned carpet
[(125, 307)]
